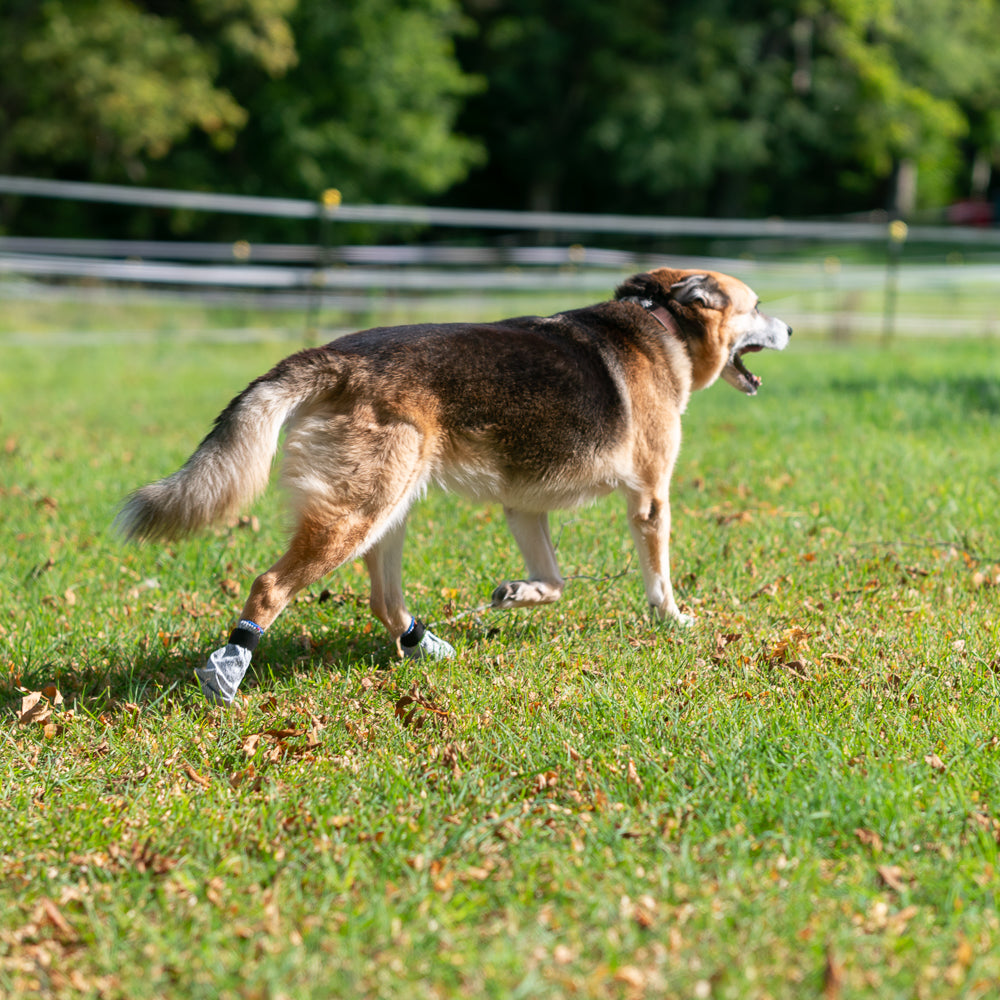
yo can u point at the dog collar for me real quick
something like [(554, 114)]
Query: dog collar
[(665, 319), (660, 313)]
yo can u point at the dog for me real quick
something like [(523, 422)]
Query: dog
[(533, 413)]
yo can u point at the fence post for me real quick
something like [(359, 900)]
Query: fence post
[(328, 204), (898, 231)]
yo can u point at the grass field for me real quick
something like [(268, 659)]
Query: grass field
[(799, 797)]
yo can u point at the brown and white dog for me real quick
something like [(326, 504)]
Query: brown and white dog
[(533, 413)]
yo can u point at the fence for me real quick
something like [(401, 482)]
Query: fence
[(304, 275)]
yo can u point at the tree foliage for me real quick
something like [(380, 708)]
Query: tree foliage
[(709, 107), (715, 106), (283, 96)]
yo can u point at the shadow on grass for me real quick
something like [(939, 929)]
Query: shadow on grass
[(145, 674), (145, 677)]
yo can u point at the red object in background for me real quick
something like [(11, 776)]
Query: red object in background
[(971, 212)]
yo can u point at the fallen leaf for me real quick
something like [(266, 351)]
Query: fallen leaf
[(833, 975), (870, 839), (48, 913), (34, 708), (29, 701), (52, 693), (934, 761), (892, 876), (632, 775), (631, 976), (562, 955), (964, 953), (414, 709), (248, 776), (198, 779)]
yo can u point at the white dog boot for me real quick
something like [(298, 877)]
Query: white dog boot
[(220, 678), (419, 642)]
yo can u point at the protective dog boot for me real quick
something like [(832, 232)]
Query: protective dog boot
[(419, 642), (220, 678)]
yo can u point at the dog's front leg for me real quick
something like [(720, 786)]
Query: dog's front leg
[(649, 521), (385, 568), (545, 583)]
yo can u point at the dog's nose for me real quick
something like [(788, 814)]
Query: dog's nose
[(789, 330)]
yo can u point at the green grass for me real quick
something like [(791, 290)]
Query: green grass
[(796, 798)]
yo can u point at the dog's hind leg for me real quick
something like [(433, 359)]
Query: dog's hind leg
[(385, 567), (544, 584), (317, 548), (340, 517)]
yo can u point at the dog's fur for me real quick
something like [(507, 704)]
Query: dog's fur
[(532, 413)]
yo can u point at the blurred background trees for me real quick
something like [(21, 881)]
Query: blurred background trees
[(715, 107)]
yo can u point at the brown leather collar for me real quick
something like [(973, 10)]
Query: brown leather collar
[(666, 319)]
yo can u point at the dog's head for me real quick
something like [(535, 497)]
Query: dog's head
[(716, 316)]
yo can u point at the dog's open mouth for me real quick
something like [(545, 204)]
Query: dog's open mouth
[(742, 377)]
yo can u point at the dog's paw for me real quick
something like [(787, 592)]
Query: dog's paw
[(221, 676), (524, 594), (430, 647), (674, 617)]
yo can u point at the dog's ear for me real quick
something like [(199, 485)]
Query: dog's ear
[(699, 288), (641, 286)]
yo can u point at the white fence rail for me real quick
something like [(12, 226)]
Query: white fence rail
[(304, 275), (562, 222)]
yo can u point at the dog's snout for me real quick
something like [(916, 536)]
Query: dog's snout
[(789, 329)]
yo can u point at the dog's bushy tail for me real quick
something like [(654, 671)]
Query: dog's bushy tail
[(233, 463)]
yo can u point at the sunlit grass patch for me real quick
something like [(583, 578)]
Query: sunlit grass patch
[(799, 795)]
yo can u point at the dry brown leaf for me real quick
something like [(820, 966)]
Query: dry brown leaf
[(892, 876), (934, 761), (34, 708), (414, 709), (198, 779), (28, 702), (833, 976), (52, 693), (723, 640), (141, 857), (870, 839), (632, 775), (248, 776), (47, 913), (631, 976)]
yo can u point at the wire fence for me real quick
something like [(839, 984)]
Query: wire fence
[(807, 264)]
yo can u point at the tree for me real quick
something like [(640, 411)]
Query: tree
[(283, 97), (109, 85), (369, 108), (726, 107)]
